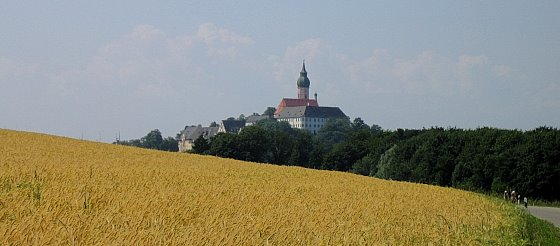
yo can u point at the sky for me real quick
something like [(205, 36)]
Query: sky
[(95, 69)]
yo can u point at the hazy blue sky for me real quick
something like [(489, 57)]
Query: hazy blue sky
[(101, 67)]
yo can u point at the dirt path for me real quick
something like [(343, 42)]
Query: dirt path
[(546, 213)]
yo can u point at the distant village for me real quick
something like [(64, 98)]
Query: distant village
[(301, 113)]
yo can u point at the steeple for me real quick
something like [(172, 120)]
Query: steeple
[(303, 69), (303, 81)]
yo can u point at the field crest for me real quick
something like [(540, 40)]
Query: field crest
[(57, 190)]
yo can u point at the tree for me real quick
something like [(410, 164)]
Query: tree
[(366, 166), (301, 149), (376, 129), (280, 148), (213, 124), (334, 131), (224, 145), (153, 140), (169, 144), (359, 124), (270, 111), (317, 155), (201, 145), (343, 156), (253, 144), (272, 125), (387, 160)]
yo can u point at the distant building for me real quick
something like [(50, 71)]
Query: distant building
[(191, 133), (302, 92), (308, 117), (305, 113), (231, 125), (253, 119), (301, 112)]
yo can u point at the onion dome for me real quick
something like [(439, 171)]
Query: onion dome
[(303, 81)]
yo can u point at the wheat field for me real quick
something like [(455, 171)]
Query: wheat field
[(56, 190)]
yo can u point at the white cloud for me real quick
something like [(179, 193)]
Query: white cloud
[(383, 72), (148, 58), (132, 82), (221, 42), (289, 63), (210, 33), (426, 73)]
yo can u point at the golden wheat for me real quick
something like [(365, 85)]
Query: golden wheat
[(56, 190)]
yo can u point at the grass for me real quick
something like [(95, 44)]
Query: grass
[(537, 231), (544, 203)]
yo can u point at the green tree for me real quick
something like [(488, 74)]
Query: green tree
[(358, 124), (153, 140), (366, 166), (253, 144), (386, 163), (225, 145), (301, 149), (270, 111), (201, 145), (376, 129), (169, 144), (334, 131)]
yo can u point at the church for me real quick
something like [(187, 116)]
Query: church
[(303, 112)]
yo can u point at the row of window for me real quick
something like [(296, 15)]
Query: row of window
[(305, 120), (306, 125), (310, 119)]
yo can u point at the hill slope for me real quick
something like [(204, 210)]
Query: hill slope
[(60, 190)]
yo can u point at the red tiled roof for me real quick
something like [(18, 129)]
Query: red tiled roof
[(292, 102)]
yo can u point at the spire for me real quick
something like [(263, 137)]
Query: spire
[(303, 81)]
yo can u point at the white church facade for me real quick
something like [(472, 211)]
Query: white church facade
[(304, 113)]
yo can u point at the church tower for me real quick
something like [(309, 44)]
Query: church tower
[(303, 84)]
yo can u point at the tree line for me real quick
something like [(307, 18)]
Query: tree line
[(483, 159), (153, 140)]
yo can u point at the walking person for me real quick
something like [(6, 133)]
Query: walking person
[(525, 201), (506, 195), (518, 199)]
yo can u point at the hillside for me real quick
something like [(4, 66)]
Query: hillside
[(56, 190)]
